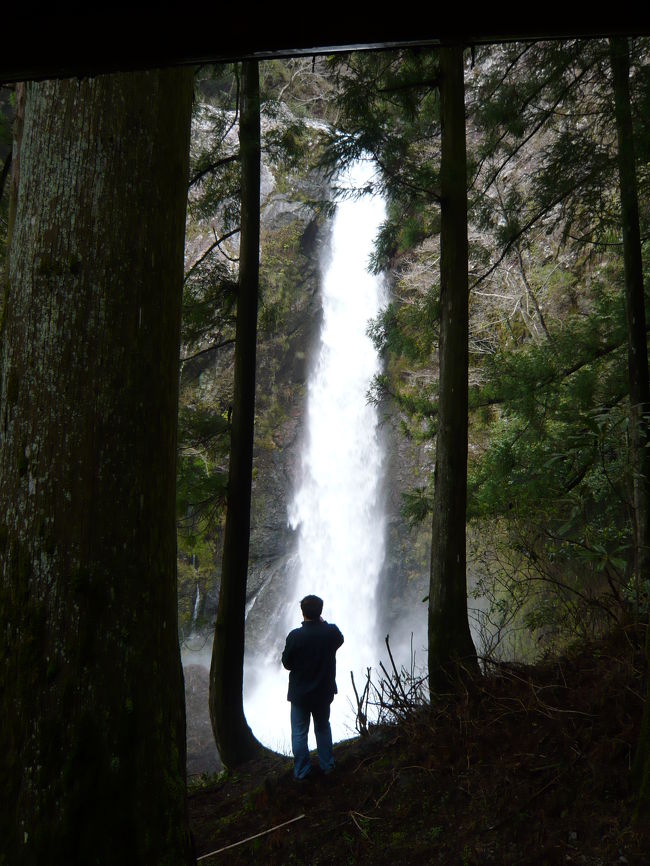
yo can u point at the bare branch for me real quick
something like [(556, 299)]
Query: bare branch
[(219, 163), (212, 348), (217, 243)]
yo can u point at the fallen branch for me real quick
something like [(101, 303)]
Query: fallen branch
[(392, 782), (358, 826), (249, 838)]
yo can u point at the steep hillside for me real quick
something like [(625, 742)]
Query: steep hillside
[(529, 767)]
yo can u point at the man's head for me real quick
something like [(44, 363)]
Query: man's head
[(311, 607)]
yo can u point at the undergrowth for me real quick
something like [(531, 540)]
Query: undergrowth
[(528, 765)]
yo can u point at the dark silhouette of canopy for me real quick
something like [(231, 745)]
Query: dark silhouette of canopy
[(71, 44)]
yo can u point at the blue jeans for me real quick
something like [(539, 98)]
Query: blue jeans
[(299, 731)]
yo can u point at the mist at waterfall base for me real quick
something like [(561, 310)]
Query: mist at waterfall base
[(337, 508)]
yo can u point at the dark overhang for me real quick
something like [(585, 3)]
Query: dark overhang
[(122, 38)]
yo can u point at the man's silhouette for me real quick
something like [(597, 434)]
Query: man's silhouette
[(310, 657)]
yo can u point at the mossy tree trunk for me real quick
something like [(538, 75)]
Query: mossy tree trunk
[(451, 650), (637, 366), (234, 738), (92, 742)]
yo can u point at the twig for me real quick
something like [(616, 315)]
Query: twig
[(358, 826), (248, 838), (217, 243), (362, 717), (392, 782), (213, 166), (397, 676)]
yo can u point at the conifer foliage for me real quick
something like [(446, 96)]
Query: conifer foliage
[(556, 472)]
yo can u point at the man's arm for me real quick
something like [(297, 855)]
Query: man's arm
[(287, 654)]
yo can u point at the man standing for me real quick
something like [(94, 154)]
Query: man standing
[(310, 657)]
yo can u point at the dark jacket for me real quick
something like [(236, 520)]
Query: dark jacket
[(310, 657)]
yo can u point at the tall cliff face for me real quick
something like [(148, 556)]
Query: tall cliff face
[(295, 239)]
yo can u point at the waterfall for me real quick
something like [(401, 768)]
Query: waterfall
[(197, 604), (337, 510)]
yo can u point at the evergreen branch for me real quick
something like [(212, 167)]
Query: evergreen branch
[(232, 259), (428, 193), (524, 105), (586, 240), (433, 83), (625, 500), (509, 68), (217, 243), (580, 115), (540, 123), (201, 506), (531, 294), (213, 167), (560, 376), (527, 226), (578, 477), (212, 348)]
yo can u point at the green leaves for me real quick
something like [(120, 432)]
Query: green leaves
[(202, 476), (388, 107), (201, 489), (417, 505)]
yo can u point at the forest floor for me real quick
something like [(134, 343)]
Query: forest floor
[(530, 767)]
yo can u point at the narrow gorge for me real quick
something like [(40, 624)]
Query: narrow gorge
[(329, 468)]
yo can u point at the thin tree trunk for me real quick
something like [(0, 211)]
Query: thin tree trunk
[(451, 650), (637, 366), (234, 738), (92, 731)]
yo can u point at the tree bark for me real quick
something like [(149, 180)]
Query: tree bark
[(92, 732), (637, 368), (451, 650), (234, 738)]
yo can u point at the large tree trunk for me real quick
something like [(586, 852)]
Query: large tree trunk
[(637, 366), (234, 738), (451, 650), (92, 742)]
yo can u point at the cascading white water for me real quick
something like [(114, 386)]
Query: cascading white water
[(337, 509)]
